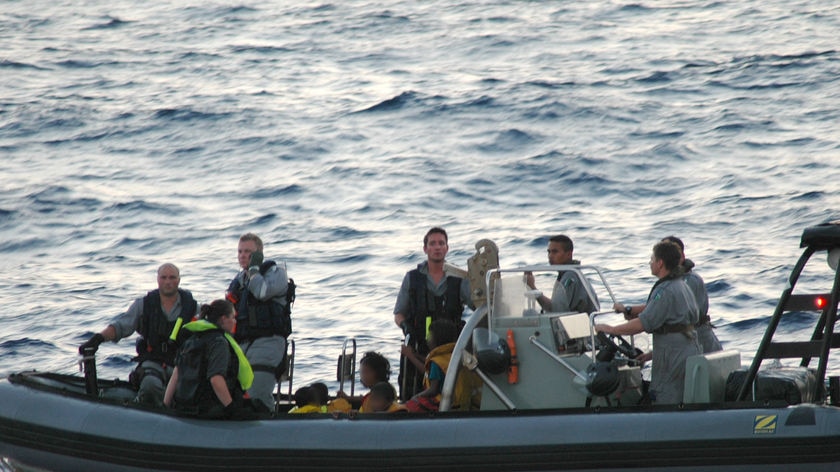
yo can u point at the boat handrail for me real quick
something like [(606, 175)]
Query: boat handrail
[(577, 268), (343, 367), (488, 382), (457, 354), (288, 374), (542, 347)]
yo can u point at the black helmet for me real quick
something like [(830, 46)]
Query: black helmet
[(603, 379), (492, 352)]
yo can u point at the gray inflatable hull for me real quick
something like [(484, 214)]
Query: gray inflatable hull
[(53, 430)]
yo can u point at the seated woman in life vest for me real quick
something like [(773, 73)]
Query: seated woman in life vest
[(211, 371), (373, 368)]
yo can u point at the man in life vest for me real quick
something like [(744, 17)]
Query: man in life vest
[(428, 293), (569, 293), (262, 294), (157, 318), (670, 315), (211, 371)]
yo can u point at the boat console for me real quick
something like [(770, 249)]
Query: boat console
[(554, 355), (559, 362)]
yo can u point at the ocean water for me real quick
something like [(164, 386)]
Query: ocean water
[(135, 133)]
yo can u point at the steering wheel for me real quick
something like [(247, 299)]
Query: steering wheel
[(627, 349), (609, 347)]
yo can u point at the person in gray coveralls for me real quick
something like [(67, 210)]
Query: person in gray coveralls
[(670, 315), (707, 338), (569, 293), (263, 317), (705, 334)]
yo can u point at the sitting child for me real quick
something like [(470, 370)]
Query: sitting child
[(382, 399), (441, 341), (323, 395), (307, 400), (373, 368)]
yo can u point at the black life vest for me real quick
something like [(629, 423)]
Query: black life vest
[(155, 329), (194, 394), (260, 318), (423, 304)]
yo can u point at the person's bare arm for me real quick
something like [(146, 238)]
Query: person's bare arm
[(631, 327), (170, 388)]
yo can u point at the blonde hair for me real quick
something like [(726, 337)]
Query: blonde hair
[(252, 237)]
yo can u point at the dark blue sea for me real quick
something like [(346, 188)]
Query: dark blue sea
[(135, 133)]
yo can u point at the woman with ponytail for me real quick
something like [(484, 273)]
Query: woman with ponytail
[(211, 371)]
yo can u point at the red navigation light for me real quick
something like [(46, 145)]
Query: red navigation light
[(820, 302)]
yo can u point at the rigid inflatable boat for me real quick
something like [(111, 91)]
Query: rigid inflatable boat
[(546, 408)]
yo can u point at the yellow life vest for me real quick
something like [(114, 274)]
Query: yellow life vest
[(467, 384), (441, 356), (393, 408), (245, 375), (307, 409), (339, 405)]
